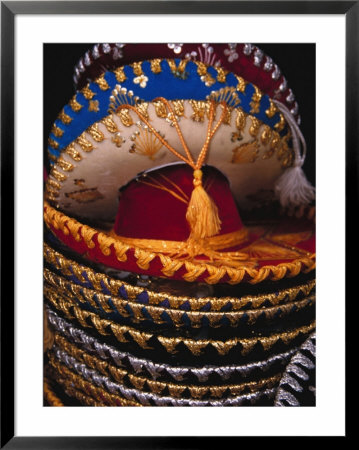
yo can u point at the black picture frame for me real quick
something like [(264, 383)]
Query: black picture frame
[(9, 10)]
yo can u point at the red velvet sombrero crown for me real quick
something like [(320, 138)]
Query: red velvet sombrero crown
[(181, 221)]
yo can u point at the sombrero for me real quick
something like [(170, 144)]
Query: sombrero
[(158, 126), (172, 173), (246, 60)]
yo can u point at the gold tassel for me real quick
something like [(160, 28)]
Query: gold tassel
[(202, 212)]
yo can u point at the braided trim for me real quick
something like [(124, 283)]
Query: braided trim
[(298, 371), (127, 334), (139, 312), (51, 398), (78, 395), (135, 395), (80, 232), (139, 365), (156, 387), (67, 378), (103, 283)]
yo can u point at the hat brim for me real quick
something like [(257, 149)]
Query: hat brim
[(275, 251)]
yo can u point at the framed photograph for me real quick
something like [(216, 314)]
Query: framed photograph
[(176, 214)]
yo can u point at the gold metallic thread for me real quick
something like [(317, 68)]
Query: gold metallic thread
[(137, 68), (75, 105), (120, 74), (56, 131), (65, 118), (110, 124), (53, 143), (272, 110), (102, 83), (157, 387), (67, 378), (64, 165), (95, 133), (87, 93), (104, 327), (59, 176), (156, 65), (84, 143), (111, 304), (72, 152)]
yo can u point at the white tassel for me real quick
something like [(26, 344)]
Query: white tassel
[(292, 187)]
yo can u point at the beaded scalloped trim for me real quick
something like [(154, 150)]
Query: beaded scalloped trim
[(157, 371)]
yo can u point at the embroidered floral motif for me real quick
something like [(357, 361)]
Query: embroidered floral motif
[(231, 52), (141, 80), (177, 48), (118, 139), (246, 153), (85, 195)]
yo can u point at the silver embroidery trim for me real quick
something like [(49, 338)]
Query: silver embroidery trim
[(105, 352), (299, 366), (144, 398)]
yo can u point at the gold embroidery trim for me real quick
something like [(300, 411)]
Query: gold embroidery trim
[(156, 65), (115, 304), (51, 398), (102, 83), (200, 110), (178, 107), (110, 124), (127, 334), (95, 133), (160, 108), (75, 105), (56, 131), (84, 143), (137, 68), (241, 86), (94, 106), (65, 118), (87, 93), (120, 74), (281, 124), (59, 176), (53, 143), (272, 110), (157, 387), (68, 267), (193, 270), (221, 74), (254, 128), (52, 183), (72, 152), (64, 165), (67, 378), (125, 117)]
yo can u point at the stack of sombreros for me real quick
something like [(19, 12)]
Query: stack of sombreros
[(173, 275)]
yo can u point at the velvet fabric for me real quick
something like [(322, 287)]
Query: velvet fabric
[(147, 212)]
